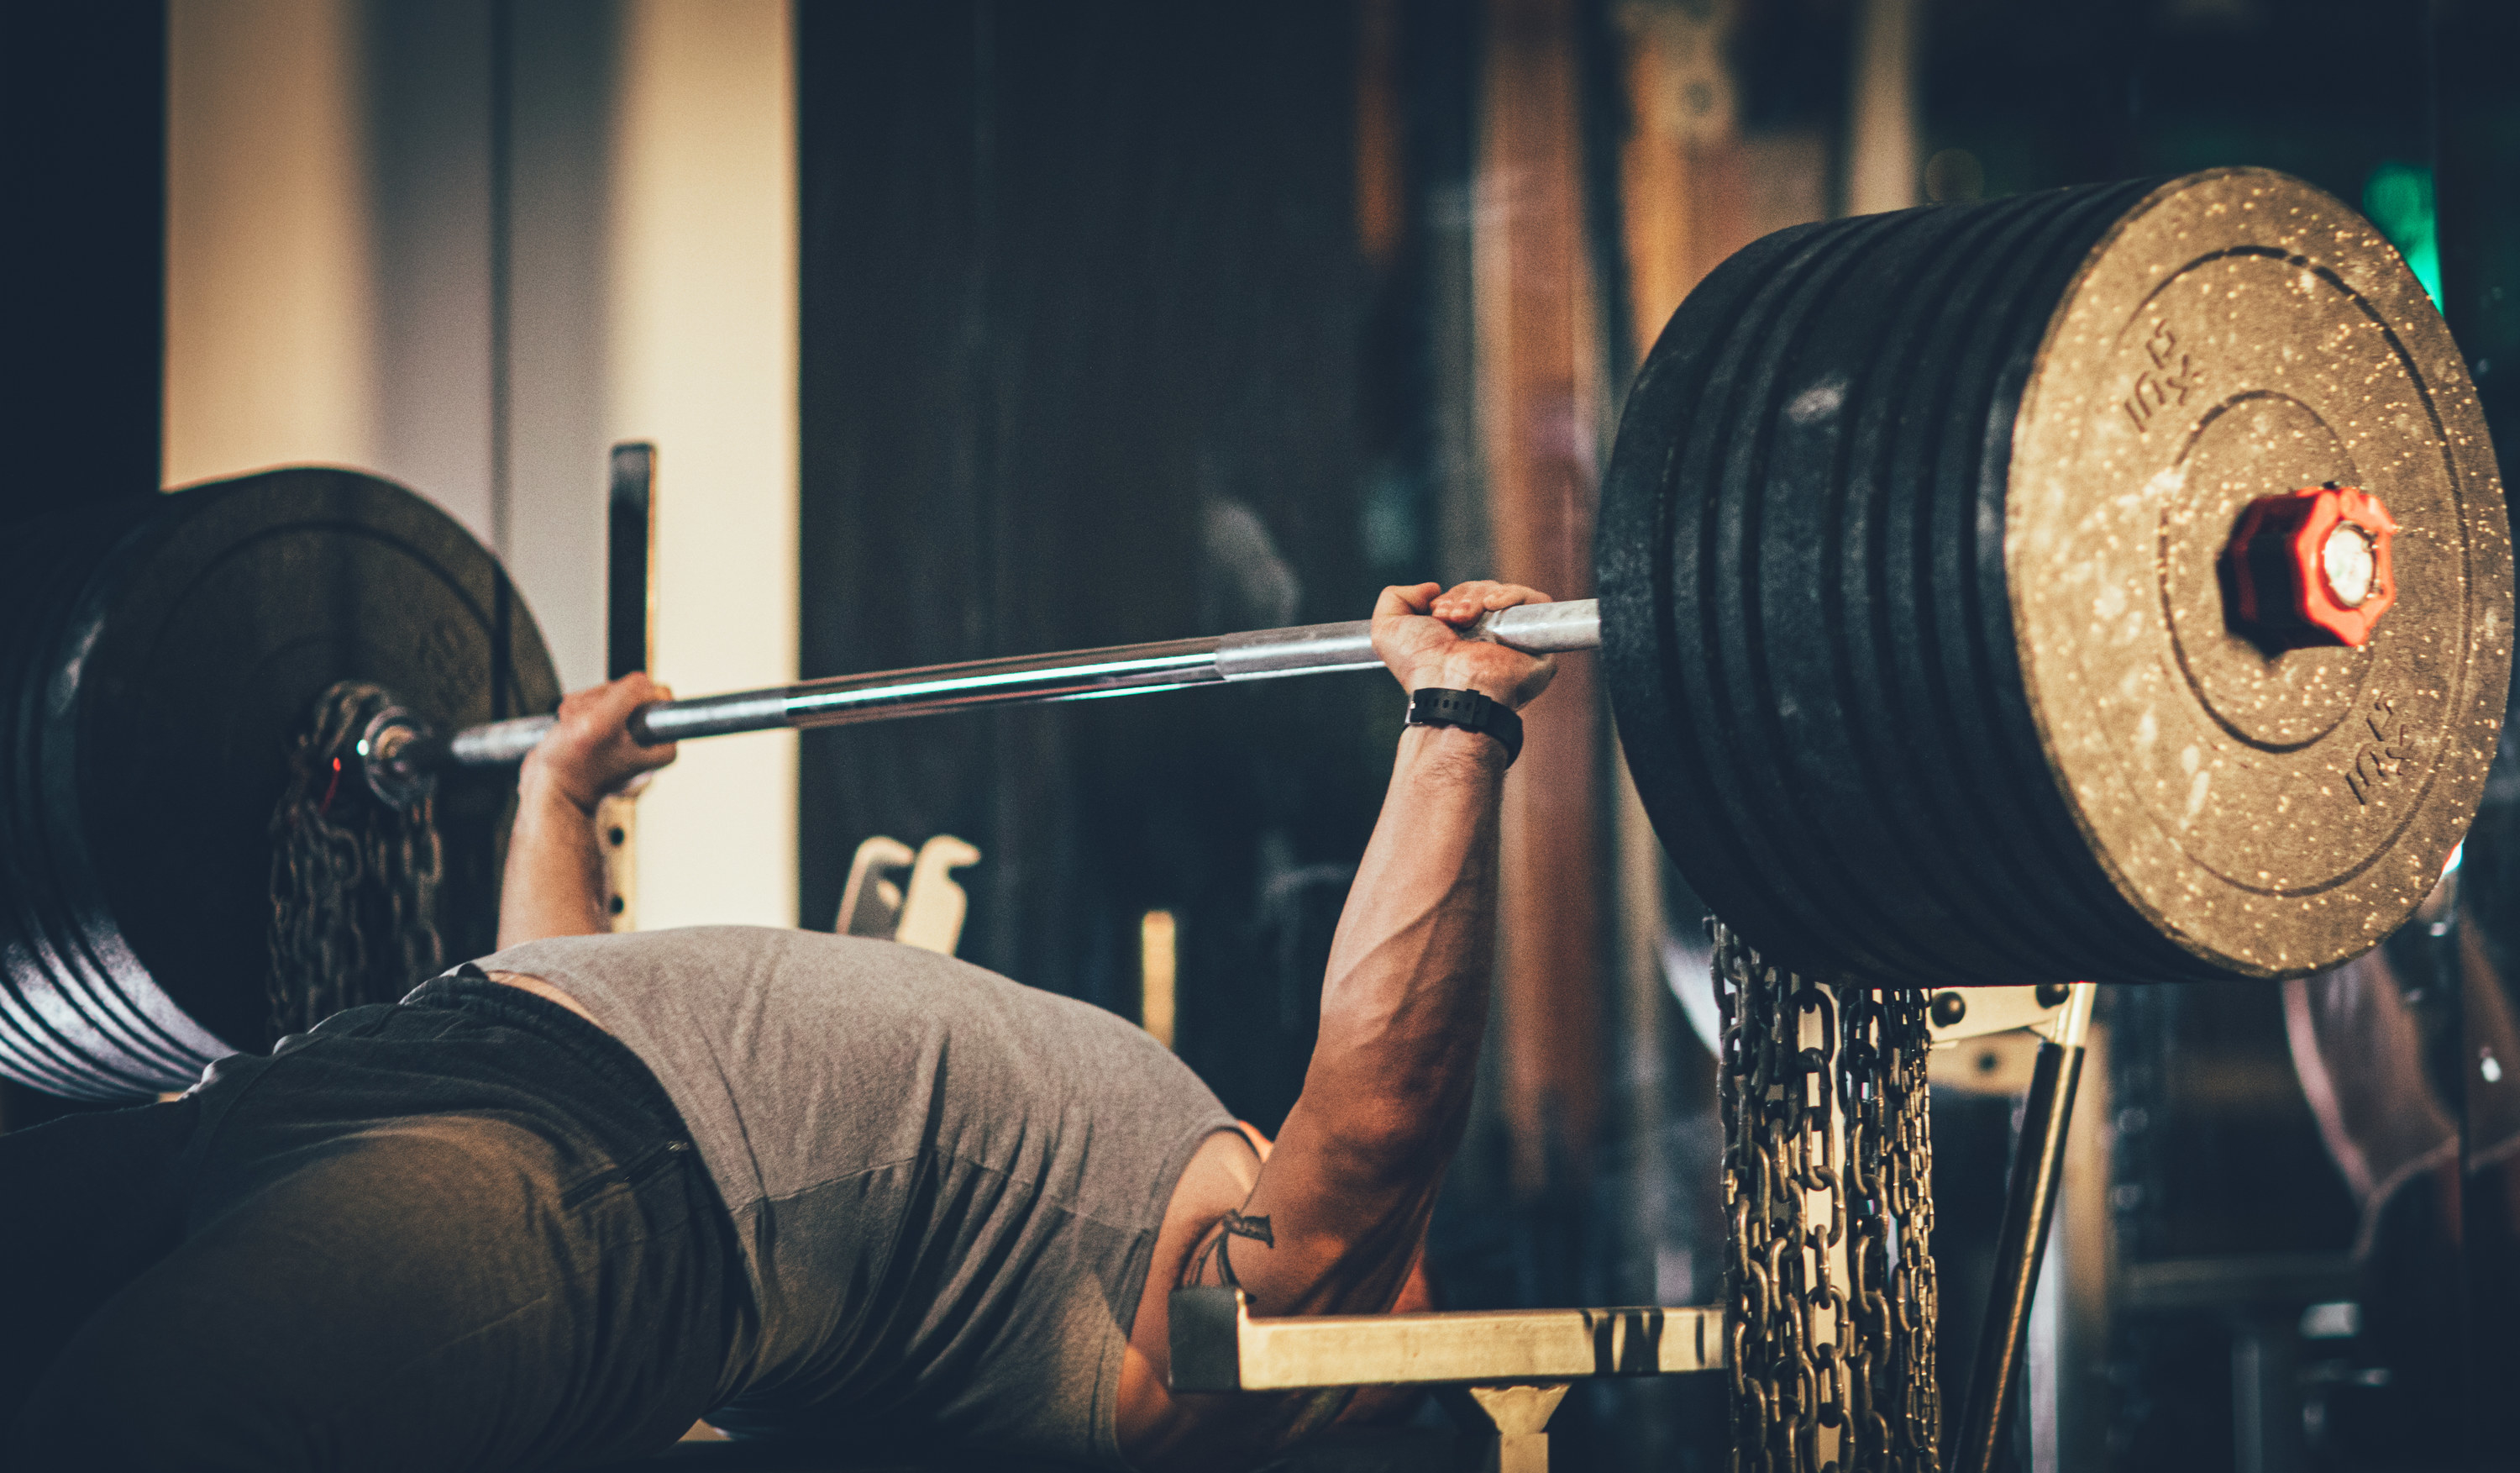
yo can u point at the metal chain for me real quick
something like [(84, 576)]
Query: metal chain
[(1829, 1197), (353, 881)]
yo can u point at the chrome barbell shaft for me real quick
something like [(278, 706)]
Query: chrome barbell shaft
[(1073, 676)]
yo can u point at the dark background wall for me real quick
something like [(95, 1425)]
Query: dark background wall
[(84, 93), (1085, 327)]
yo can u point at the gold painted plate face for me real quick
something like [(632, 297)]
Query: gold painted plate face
[(2240, 335)]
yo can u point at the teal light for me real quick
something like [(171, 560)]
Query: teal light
[(2398, 199)]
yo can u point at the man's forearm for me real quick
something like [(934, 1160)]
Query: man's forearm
[(1344, 1199), (553, 881), (1338, 1211), (1405, 998)]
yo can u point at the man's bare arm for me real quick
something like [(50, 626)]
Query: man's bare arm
[(1338, 1211), (1341, 1207), (553, 881)]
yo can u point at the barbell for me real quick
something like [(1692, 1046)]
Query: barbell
[(2108, 583)]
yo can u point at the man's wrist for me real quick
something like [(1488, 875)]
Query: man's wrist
[(538, 784), (1467, 711), (1475, 750)]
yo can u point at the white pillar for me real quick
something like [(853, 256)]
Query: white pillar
[(702, 362), (332, 281), (1883, 169), (270, 320)]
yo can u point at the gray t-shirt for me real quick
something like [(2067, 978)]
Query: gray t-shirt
[(947, 1186)]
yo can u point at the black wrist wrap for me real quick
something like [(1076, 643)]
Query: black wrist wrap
[(1470, 712)]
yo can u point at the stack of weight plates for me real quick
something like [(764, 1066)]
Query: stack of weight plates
[(156, 657), (1911, 608)]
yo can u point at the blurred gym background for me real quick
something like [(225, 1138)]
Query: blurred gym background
[(976, 327)]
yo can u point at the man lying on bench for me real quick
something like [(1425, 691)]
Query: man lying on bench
[(565, 1199)]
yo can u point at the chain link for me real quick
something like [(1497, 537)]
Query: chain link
[(1828, 1196), (353, 881)]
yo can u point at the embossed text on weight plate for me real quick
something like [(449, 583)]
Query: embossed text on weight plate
[(2384, 754), (2168, 381)]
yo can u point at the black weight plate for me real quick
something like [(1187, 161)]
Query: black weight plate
[(1787, 524), (185, 660), (1817, 615), (1919, 759), (2244, 335), (57, 1031)]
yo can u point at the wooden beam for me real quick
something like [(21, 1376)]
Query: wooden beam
[(1681, 186), (1540, 395)]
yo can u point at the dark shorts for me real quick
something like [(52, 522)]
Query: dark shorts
[(467, 1231)]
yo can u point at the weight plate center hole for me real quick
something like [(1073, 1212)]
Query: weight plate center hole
[(2271, 693)]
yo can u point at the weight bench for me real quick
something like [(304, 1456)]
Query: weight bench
[(1498, 1373)]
